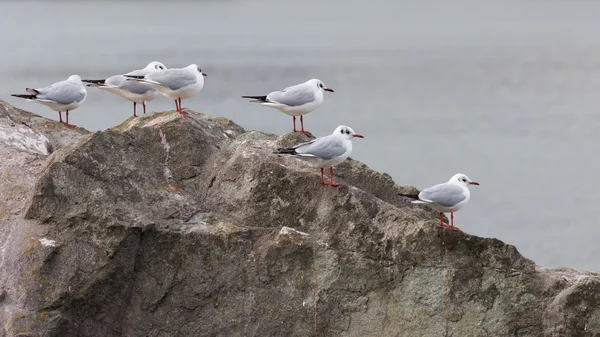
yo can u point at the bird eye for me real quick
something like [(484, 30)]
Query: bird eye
[(199, 70), (347, 132), (321, 85)]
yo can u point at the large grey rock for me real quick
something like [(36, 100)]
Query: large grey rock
[(172, 226)]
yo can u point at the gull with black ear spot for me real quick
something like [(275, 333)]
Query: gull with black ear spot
[(324, 152), (297, 100), (448, 197), (131, 91), (177, 84)]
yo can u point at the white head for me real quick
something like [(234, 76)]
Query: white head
[(346, 132), (75, 79), (319, 85), (462, 179), (155, 66), (195, 67)]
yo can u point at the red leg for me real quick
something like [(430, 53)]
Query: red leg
[(176, 106), (134, 104), (294, 117), (442, 221), (331, 178), (302, 126), (67, 123), (60, 116), (323, 178), (144, 107), (452, 222), (180, 108)]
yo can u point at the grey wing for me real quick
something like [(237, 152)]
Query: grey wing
[(293, 96), (173, 78), (324, 148), (63, 93), (119, 81), (444, 194)]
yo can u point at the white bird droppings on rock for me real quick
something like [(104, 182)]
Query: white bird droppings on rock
[(48, 243), (289, 231), (167, 171)]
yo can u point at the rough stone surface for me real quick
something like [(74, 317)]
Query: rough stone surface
[(173, 226)]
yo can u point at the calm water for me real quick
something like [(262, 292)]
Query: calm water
[(506, 92)]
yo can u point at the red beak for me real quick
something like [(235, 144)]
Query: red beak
[(357, 135), (328, 89), (473, 183), (204, 74)]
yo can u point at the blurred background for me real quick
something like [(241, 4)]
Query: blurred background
[(503, 91)]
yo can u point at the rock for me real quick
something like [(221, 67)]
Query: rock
[(173, 226)]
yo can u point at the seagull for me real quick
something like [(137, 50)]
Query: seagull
[(296, 100), (327, 151), (131, 91), (60, 96), (446, 197), (176, 84)]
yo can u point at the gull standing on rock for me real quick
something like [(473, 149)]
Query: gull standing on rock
[(446, 197), (131, 91), (327, 151), (177, 84), (296, 100), (60, 96)]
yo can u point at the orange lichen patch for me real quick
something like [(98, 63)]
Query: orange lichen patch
[(227, 229), (4, 213), (270, 312), (226, 154), (14, 318), (29, 246), (223, 121), (172, 188), (21, 324)]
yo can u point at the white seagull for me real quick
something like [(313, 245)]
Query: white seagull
[(296, 100), (131, 91), (446, 197), (60, 96), (327, 151), (177, 84)]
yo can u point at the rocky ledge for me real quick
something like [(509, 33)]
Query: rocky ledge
[(173, 226)]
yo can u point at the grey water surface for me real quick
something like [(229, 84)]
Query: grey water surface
[(506, 92)]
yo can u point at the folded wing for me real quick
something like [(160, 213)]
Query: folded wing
[(443, 194)]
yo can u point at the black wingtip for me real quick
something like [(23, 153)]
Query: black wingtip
[(94, 81), (285, 150), (134, 76), (259, 98), (23, 96), (412, 196)]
